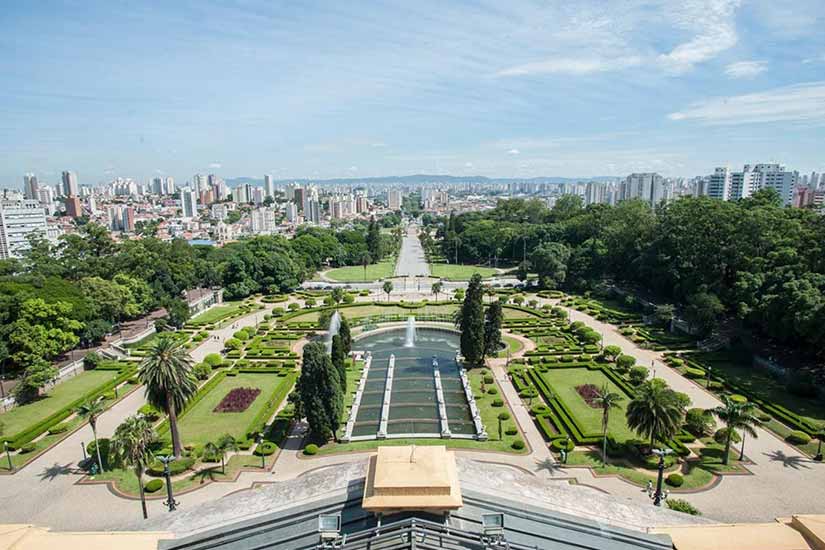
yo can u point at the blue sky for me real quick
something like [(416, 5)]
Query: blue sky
[(335, 89)]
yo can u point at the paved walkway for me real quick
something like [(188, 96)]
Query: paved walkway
[(411, 260)]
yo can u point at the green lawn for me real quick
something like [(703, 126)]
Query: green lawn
[(20, 418), (513, 344), (563, 383), (513, 313), (355, 273), (218, 313), (460, 272), (200, 424)]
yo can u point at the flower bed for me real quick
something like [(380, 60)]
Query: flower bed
[(589, 393), (237, 400)]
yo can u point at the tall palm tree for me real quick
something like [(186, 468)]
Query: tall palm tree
[(606, 400), (91, 410), (224, 444), (736, 416), (437, 286), (167, 374), (131, 448), (656, 411)]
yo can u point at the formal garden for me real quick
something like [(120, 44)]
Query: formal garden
[(33, 427), (357, 274), (219, 315)]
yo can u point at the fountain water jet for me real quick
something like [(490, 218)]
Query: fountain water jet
[(334, 326), (409, 340)]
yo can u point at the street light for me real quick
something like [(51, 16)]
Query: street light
[(658, 496), (260, 440), (170, 499), (492, 529), (707, 386), (329, 529), (8, 455)]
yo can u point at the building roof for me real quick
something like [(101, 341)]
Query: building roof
[(29, 537), (800, 533), (412, 478)]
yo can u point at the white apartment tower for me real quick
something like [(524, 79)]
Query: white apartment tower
[(70, 188), (31, 189), (269, 187), (18, 220), (189, 202)]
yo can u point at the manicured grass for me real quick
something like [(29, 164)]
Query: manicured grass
[(563, 382), (218, 313), (512, 313), (694, 476), (355, 273), (199, 424), (761, 384), (513, 345), (457, 272), (20, 418)]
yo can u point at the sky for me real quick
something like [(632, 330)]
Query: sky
[(354, 89)]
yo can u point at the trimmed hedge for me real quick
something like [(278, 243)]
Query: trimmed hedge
[(518, 444), (266, 448), (311, 449), (176, 467), (797, 437), (675, 480), (153, 485)]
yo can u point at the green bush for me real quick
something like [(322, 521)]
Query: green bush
[(177, 467), (693, 372), (488, 379), (511, 430), (213, 360), (311, 449), (150, 412), (721, 435), (797, 437), (492, 391), (153, 485), (518, 444), (651, 461), (697, 422), (27, 448), (638, 374), (736, 398), (625, 362), (562, 444), (763, 416), (91, 451), (266, 448), (504, 416), (675, 480), (58, 428), (497, 403), (684, 506), (539, 409)]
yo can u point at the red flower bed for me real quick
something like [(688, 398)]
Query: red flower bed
[(589, 393), (237, 400)]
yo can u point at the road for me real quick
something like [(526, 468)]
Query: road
[(411, 261)]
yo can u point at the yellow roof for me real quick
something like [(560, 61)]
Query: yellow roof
[(412, 478), (29, 537), (737, 536)]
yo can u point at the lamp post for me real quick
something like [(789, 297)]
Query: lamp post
[(658, 496), (83, 448), (820, 436), (260, 440), (8, 455), (170, 499), (707, 386)]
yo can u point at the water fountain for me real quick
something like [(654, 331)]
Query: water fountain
[(409, 340), (334, 326)]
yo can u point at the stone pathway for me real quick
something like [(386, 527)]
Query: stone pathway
[(411, 260)]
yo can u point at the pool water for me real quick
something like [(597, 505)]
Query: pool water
[(413, 401)]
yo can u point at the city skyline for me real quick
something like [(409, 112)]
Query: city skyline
[(318, 92)]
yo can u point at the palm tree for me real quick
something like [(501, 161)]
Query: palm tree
[(131, 448), (224, 444), (167, 374), (606, 400), (91, 410), (437, 286), (656, 411), (736, 416), (388, 289)]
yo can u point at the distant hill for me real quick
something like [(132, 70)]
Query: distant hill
[(417, 179)]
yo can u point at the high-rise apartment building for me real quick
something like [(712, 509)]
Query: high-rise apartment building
[(269, 187), (262, 221), (726, 185), (18, 220), (312, 211), (128, 219), (70, 188), (648, 186), (291, 212), (198, 182), (719, 184), (31, 189), (189, 202), (298, 197), (74, 208), (394, 199), (170, 185)]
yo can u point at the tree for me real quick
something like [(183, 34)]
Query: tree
[(663, 314), (319, 391), (223, 445), (606, 400), (132, 448), (337, 295), (625, 362), (374, 240), (177, 312), (703, 311), (638, 374), (736, 416), (470, 321), (492, 329), (612, 352), (166, 372), (436, 289), (346, 336), (550, 263), (42, 330), (698, 421), (35, 377), (655, 412), (91, 411), (366, 259), (388, 289), (338, 358), (523, 270)]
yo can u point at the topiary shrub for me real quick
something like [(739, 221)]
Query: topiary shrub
[(675, 480), (504, 416), (539, 409), (266, 448), (177, 467), (488, 379), (518, 444), (511, 430), (797, 437), (736, 398), (651, 461), (153, 485), (213, 360), (562, 444), (638, 374), (763, 416), (625, 362), (27, 448), (693, 372), (683, 506), (698, 422), (58, 428), (311, 449), (149, 412), (492, 391), (497, 403)]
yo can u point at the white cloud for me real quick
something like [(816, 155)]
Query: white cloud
[(513, 152), (572, 65), (797, 103), (468, 165), (712, 21), (353, 168), (746, 69), (215, 165)]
